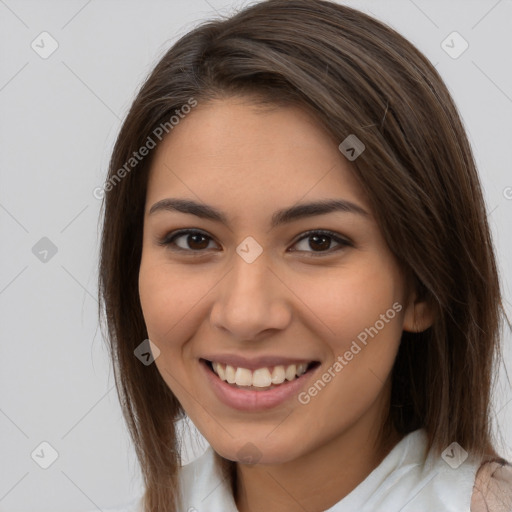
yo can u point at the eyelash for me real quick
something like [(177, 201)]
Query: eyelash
[(170, 238)]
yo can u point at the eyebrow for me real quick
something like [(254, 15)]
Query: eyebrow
[(280, 217)]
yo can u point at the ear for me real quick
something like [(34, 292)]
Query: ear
[(418, 315)]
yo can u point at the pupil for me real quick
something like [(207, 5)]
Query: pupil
[(194, 237), (315, 239)]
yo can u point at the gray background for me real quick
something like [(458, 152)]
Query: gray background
[(58, 122)]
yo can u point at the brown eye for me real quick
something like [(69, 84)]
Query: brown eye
[(190, 241), (320, 242), (196, 241)]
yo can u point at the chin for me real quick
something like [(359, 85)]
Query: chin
[(253, 450)]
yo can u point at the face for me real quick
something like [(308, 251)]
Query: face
[(261, 291)]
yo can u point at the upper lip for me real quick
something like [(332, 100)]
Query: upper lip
[(255, 362)]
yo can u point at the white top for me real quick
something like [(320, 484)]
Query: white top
[(406, 480)]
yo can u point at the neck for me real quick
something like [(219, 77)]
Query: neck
[(318, 479)]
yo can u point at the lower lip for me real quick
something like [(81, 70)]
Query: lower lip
[(249, 400)]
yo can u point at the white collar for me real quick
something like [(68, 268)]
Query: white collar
[(408, 479)]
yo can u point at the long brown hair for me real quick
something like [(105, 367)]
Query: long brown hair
[(357, 76)]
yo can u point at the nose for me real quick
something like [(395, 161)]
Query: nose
[(251, 299)]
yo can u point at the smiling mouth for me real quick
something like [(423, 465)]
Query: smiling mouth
[(261, 379)]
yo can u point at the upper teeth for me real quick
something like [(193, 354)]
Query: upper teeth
[(262, 377)]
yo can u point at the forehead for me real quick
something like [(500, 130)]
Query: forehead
[(232, 150)]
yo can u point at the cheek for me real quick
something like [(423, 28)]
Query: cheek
[(167, 307), (163, 298), (364, 314), (345, 302), (173, 301)]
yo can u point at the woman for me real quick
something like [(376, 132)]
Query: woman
[(293, 217)]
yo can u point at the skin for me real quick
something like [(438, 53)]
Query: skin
[(249, 163)]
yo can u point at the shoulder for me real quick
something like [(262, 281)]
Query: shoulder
[(492, 491)]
